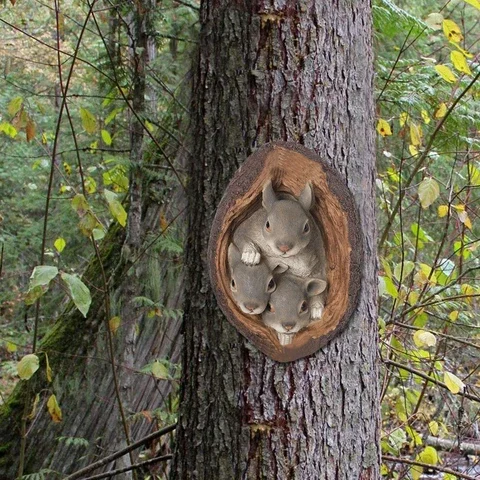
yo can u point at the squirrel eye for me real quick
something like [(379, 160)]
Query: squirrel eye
[(306, 228), (303, 307), (271, 284), (270, 308), (267, 226), (233, 283)]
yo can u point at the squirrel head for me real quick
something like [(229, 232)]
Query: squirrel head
[(288, 309), (251, 286), (288, 226)]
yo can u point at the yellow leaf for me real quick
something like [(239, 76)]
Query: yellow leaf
[(465, 219), (33, 412), (15, 105), (446, 73), (113, 324), (422, 338), (11, 347), (453, 315), (54, 409), (474, 3), (459, 208), (48, 369), (428, 455), (27, 366), (442, 210), (60, 244), (413, 150), (452, 31), (453, 383), (415, 134), (460, 49), (89, 121), (433, 427), (428, 191), (67, 168), (425, 117), (383, 128), (403, 118), (106, 137), (460, 62)]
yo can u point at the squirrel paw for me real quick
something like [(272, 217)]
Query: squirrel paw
[(250, 255), (316, 311)]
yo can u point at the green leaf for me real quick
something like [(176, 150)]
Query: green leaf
[(453, 383), (114, 324), (422, 338), (60, 244), (78, 291), (107, 139), (15, 105), (474, 174), (80, 204), (8, 129), (390, 288), (159, 370), (98, 233), (428, 191), (89, 121), (428, 455), (116, 208), (406, 271), (42, 275), (27, 366)]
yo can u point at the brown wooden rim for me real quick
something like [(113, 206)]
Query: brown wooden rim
[(290, 166)]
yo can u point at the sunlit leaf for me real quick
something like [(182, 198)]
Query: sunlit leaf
[(440, 111), (442, 210), (422, 338), (465, 219), (415, 134), (107, 139), (453, 383), (8, 129), (383, 128), (407, 269), (460, 62), (89, 121), (60, 244), (403, 118), (428, 455), (90, 185), (413, 150), (11, 347), (149, 126), (474, 3), (425, 116), (446, 73), (54, 409), (15, 105), (116, 208), (433, 427), (79, 292), (452, 31), (428, 191), (453, 315), (474, 174), (390, 288), (27, 366)]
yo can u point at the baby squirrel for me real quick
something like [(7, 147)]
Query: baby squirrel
[(251, 285), (284, 230), (287, 311)]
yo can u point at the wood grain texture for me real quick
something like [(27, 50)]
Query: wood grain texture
[(291, 166)]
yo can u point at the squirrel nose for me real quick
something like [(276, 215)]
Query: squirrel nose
[(251, 306), (285, 247), (288, 326)]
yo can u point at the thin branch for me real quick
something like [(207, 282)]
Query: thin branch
[(407, 461), (131, 467), (122, 452)]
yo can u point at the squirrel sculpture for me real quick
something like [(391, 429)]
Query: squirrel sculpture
[(284, 230), (251, 285), (287, 311)]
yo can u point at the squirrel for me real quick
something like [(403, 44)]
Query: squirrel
[(284, 230), (251, 285), (288, 310)]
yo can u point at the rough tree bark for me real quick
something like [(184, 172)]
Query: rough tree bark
[(298, 71)]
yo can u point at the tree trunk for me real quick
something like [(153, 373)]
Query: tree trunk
[(298, 71)]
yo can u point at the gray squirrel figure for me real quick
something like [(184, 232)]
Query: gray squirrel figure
[(252, 285), (287, 311), (285, 231)]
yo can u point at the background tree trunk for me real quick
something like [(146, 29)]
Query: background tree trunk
[(298, 71)]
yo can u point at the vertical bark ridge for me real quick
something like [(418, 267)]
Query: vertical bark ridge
[(298, 71)]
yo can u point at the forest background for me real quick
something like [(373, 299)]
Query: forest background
[(98, 124)]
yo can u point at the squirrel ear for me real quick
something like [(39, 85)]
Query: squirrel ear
[(315, 286), (269, 197), (306, 197), (280, 268), (233, 255)]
